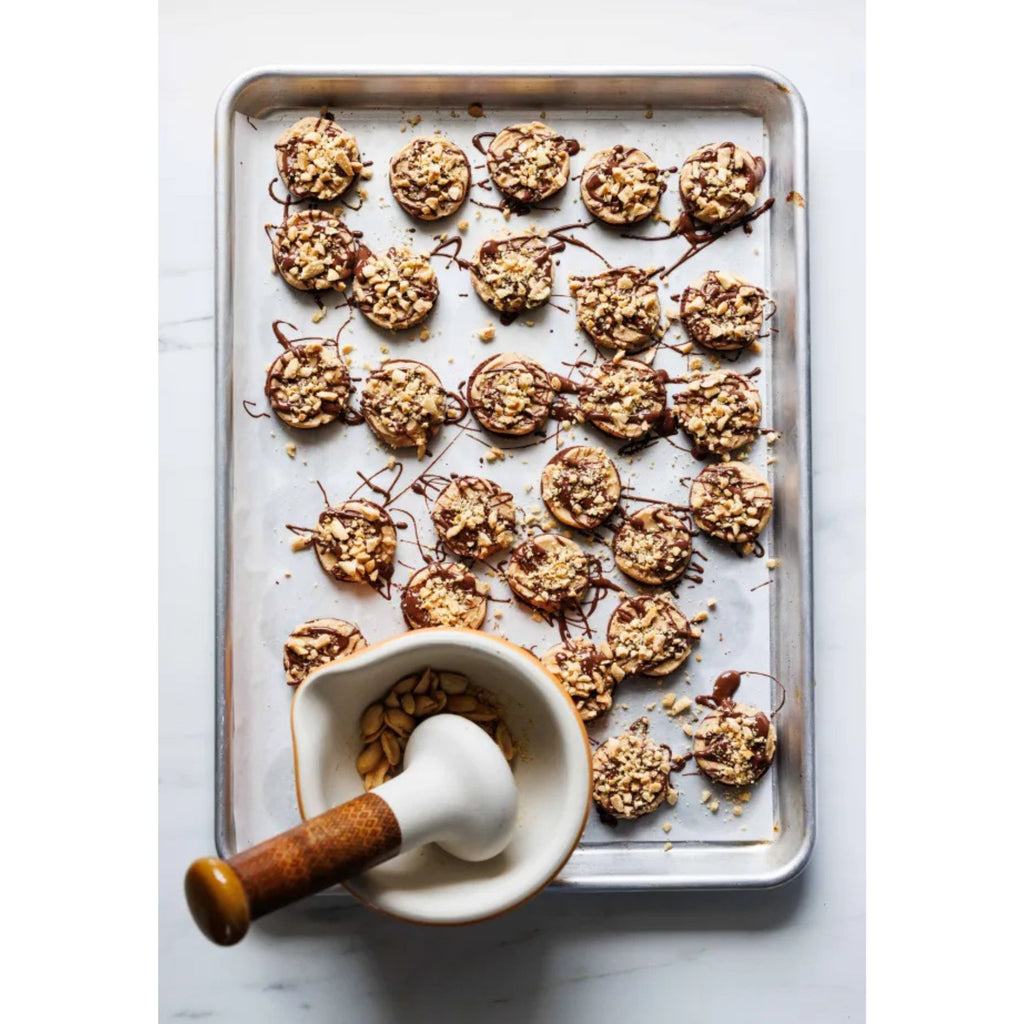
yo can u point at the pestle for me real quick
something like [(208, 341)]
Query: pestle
[(456, 790)]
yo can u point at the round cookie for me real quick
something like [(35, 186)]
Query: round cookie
[(625, 398), (654, 545), (723, 312), (631, 773), (430, 177), (314, 251), (581, 486), (510, 394), (355, 542), (649, 635), (735, 744), (549, 572), (308, 385), (733, 502), (587, 672), (720, 410), (317, 643), (621, 185), (513, 274), (317, 159), (444, 594), (395, 291), (404, 404), (719, 183), (474, 517), (529, 162), (618, 308)]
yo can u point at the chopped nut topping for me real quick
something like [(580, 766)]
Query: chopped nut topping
[(654, 545), (317, 643), (631, 773), (430, 177), (355, 543), (649, 635), (720, 410), (474, 518), (723, 312), (317, 159), (510, 394), (625, 398), (621, 185), (587, 672), (719, 183), (385, 726), (513, 274), (308, 385), (549, 572), (395, 291), (529, 162), (733, 502), (618, 308), (735, 744), (444, 594), (314, 251), (404, 404), (581, 487)]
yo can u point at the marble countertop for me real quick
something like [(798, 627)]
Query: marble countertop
[(792, 954)]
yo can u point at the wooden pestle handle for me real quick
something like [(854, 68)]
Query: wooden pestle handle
[(224, 896)]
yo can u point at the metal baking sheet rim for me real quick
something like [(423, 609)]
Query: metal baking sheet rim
[(734, 75)]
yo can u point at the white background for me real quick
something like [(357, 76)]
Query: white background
[(795, 954)]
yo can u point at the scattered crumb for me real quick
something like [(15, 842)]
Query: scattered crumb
[(687, 348), (671, 797), (486, 333), (698, 657), (696, 363), (705, 796), (301, 542), (318, 315), (290, 449), (755, 347), (737, 810), (462, 225), (475, 110), (772, 460), (713, 807), (744, 798), (415, 120), (346, 349), (494, 453), (712, 602), (652, 706), (668, 700), (498, 613), (287, 575), (424, 334), (391, 462), (648, 113), (666, 827), (689, 729), (384, 350), (700, 617), (795, 197), (366, 174), (668, 846), (679, 706), (772, 436), (772, 563)]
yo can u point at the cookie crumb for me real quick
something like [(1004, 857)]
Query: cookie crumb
[(666, 827), (290, 449), (463, 225), (494, 453), (486, 333), (713, 807), (737, 810), (318, 315), (649, 113), (668, 846), (772, 563), (415, 120), (712, 602), (705, 796), (671, 797), (475, 110), (424, 334)]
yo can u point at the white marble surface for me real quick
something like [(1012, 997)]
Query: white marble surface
[(793, 954)]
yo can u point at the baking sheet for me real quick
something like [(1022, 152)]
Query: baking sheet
[(266, 589)]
